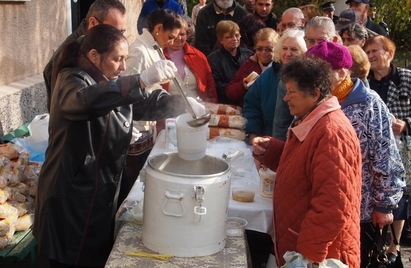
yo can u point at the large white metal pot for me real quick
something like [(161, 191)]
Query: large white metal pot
[(185, 205)]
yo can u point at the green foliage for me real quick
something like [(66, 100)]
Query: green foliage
[(397, 14), (191, 4)]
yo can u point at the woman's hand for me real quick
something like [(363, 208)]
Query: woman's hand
[(198, 108), (382, 219), (260, 145), (398, 126), (245, 84)]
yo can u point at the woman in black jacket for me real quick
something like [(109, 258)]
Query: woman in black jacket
[(226, 60), (91, 115)]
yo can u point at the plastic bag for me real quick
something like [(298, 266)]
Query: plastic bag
[(39, 128), (133, 212), (296, 260), (37, 142)]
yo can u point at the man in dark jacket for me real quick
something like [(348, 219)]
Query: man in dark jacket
[(263, 11), (362, 7), (110, 12), (328, 10), (207, 19)]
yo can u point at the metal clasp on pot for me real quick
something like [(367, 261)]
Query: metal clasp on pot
[(199, 196)]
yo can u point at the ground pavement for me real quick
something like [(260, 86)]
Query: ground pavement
[(406, 256)]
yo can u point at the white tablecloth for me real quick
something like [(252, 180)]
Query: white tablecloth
[(258, 213)]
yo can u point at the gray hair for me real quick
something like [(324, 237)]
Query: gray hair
[(321, 22), (296, 11), (296, 34)]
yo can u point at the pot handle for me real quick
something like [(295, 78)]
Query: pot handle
[(179, 198)]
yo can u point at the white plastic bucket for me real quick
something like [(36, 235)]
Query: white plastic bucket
[(191, 141)]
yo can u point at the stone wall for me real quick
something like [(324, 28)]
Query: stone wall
[(31, 31), (20, 102)]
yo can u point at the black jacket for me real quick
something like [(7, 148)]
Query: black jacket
[(90, 131), (271, 22), (224, 68), (207, 19), (371, 25), (50, 72)]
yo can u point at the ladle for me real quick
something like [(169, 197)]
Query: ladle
[(197, 121)]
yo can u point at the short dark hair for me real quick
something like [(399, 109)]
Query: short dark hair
[(249, 26), (100, 8), (355, 30), (170, 20), (309, 73)]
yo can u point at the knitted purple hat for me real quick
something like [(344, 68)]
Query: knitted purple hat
[(338, 56)]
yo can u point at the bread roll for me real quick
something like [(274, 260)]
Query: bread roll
[(8, 150), (225, 132), (251, 77), (225, 109), (227, 121)]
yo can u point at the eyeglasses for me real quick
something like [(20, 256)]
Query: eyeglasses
[(231, 37), (100, 22), (311, 42), (290, 25), (266, 49)]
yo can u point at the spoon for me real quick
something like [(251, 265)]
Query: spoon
[(197, 121)]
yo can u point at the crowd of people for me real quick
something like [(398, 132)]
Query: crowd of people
[(324, 110)]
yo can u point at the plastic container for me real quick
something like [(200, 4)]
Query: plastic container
[(191, 141), (235, 226), (266, 182), (242, 194)]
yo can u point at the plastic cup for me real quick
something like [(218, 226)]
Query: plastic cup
[(235, 226)]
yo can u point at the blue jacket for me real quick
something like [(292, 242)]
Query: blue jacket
[(382, 169), (151, 5), (260, 102), (282, 116)]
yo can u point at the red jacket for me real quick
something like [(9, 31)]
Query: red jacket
[(317, 191), (198, 64), (235, 90)]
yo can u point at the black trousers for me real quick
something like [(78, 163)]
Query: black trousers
[(134, 163)]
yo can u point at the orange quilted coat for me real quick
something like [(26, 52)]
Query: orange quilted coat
[(317, 192)]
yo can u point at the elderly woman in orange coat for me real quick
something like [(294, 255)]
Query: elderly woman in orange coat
[(317, 191)]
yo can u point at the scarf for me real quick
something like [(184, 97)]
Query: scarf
[(343, 89)]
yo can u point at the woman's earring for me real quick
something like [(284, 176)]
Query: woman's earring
[(156, 33)]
